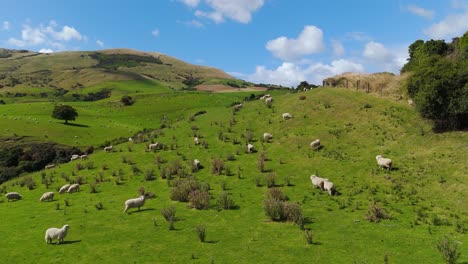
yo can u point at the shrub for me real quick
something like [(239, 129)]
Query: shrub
[(200, 230), (293, 213), (375, 213), (28, 182), (169, 214), (79, 166), (135, 170), (302, 97), (217, 166), (287, 180), (182, 188), (90, 165), (78, 179), (270, 180), (274, 209), (225, 201), (99, 206), (149, 175), (261, 163), (199, 200), (448, 249), (92, 188), (309, 236)]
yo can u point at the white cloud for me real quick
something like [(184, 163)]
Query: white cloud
[(40, 35), (338, 48), (155, 32), (290, 74), (308, 42), (422, 12), (46, 51), (384, 58), (220, 10), (5, 25), (357, 36), (100, 43), (451, 26)]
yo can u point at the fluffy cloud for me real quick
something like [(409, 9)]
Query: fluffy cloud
[(40, 35), (239, 10), (290, 74), (338, 48), (46, 51), (5, 25), (384, 58), (308, 42), (419, 11), (451, 26), (155, 32), (100, 43)]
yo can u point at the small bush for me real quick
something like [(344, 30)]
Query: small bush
[(99, 206), (149, 175), (274, 209), (225, 201), (375, 213), (79, 180), (230, 156), (92, 188), (287, 180), (79, 166), (309, 236), (169, 214), (66, 202), (448, 249), (28, 182), (135, 170), (302, 97), (199, 200), (270, 180), (217, 166), (90, 165), (200, 230), (182, 188)]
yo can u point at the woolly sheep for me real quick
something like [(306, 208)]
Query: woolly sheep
[(329, 187), (48, 196), (49, 166), (196, 140), (108, 148), (384, 162), (74, 157), (267, 136), (136, 202), (153, 146), (64, 188), (265, 97), (317, 181), (130, 139), (315, 144), (287, 116), (84, 156), (196, 163), (250, 147), (269, 100), (73, 188), (13, 196), (56, 233), (238, 106)]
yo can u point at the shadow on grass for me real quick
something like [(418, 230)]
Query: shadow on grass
[(141, 211), (75, 124), (65, 242), (211, 241)]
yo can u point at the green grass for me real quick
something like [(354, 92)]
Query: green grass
[(429, 178)]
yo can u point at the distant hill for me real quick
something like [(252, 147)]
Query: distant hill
[(77, 69)]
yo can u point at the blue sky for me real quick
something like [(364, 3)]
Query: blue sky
[(270, 41)]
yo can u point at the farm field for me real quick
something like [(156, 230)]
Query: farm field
[(425, 194)]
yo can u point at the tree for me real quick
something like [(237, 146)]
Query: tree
[(127, 100), (448, 249), (64, 112)]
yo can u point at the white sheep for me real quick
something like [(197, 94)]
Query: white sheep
[(315, 144), (250, 148), (265, 97), (317, 181), (196, 140), (73, 188), (64, 188), (269, 100), (286, 116), (384, 162), (74, 157), (153, 146), (267, 136), (136, 202), (48, 196), (84, 156), (196, 163), (56, 233), (13, 196), (130, 139), (238, 106), (108, 148), (329, 187), (49, 166)]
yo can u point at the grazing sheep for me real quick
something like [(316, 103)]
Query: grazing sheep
[(48, 196), (13, 196), (108, 148), (49, 166), (64, 188), (286, 116), (317, 181), (384, 162), (238, 106), (269, 100), (74, 157), (73, 188), (84, 156), (56, 233), (196, 163), (196, 140), (250, 148), (153, 146), (315, 144), (136, 202), (265, 97), (267, 136), (329, 187), (130, 139)]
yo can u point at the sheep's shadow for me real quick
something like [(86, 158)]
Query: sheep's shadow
[(211, 241), (141, 211), (67, 242)]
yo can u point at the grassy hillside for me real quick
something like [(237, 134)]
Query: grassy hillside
[(425, 194)]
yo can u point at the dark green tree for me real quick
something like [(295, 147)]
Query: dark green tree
[(64, 112), (127, 100)]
